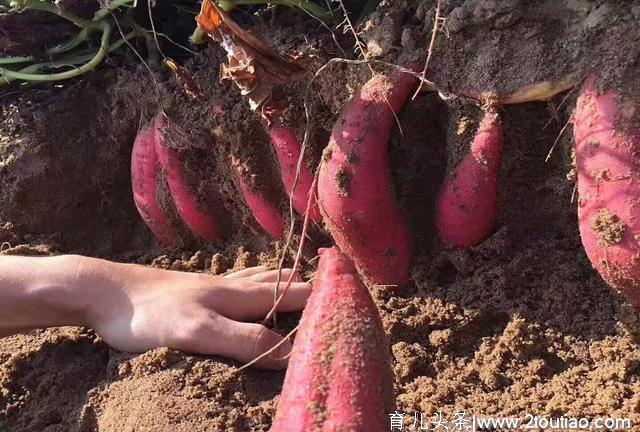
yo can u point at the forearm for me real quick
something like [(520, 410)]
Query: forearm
[(39, 292), (136, 308)]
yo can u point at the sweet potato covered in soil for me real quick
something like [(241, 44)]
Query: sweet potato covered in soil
[(469, 201), (288, 149), (268, 216), (160, 189), (197, 220), (145, 171), (607, 161), (354, 185), (339, 376)]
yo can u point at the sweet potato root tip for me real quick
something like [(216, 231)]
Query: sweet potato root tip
[(287, 147), (541, 91), (339, 375), (265, 213), (198, 221), (469, 203), (608, 167), (144, 176), (354, 185)]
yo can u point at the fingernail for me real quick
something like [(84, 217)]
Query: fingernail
[(284, 350)]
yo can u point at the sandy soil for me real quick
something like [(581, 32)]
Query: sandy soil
[(519, 324)]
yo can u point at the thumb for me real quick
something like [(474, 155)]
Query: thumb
[(244, 342)]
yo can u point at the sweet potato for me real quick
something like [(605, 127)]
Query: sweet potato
[(608, 167), (197, 220), (339, 376), (265, 213), (469, 202), (354, 185), (144, 181), (287, 149)]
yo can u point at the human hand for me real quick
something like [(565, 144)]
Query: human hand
[(140, 308)]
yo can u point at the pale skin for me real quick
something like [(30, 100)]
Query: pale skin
[(136, 308)]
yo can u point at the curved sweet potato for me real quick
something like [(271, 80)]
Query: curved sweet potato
[(608, 166), (144, 182), (469, 203), (266, 214), (339, 376), (185, 201), (287, 149), (354, 186)]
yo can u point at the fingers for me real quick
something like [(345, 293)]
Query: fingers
[(248, 272), (239, 341), (262, 274), (272, 276), (253, 300)]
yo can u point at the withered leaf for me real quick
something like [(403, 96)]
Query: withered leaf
[(253, 65), (184, 78)]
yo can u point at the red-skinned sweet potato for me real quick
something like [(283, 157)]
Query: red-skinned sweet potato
[(144, 181), (287, 147), (469, 202), (265, 213), (354, 185), (608, 168), (339, 376), (197, 220)]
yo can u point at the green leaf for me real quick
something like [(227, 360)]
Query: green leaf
[(16, 4)]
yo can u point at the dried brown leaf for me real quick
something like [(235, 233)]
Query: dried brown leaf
[(253, 65)]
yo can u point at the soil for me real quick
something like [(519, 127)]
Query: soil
[(519, 324)]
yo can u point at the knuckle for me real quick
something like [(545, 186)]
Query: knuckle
[(190, 330)]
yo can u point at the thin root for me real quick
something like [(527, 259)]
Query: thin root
[(153, 29), (270, 351), (560, 105), (557, 140), (303, 238), (434, 33)]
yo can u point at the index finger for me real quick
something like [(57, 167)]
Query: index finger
[(254, 300)]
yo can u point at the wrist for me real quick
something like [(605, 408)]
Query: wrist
[(93, 290), (64, 297)]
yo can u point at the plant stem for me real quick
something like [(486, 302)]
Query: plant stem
[(307, 5), (87, 28), (115, 4), (51, 8), (9, 75), (197, 37), (89, 60), (82, 58), (15, 60), (60, 49)]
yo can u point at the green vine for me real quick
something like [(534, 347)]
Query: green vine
[(69, 55)]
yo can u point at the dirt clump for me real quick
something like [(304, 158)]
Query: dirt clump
[(608, 227)]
